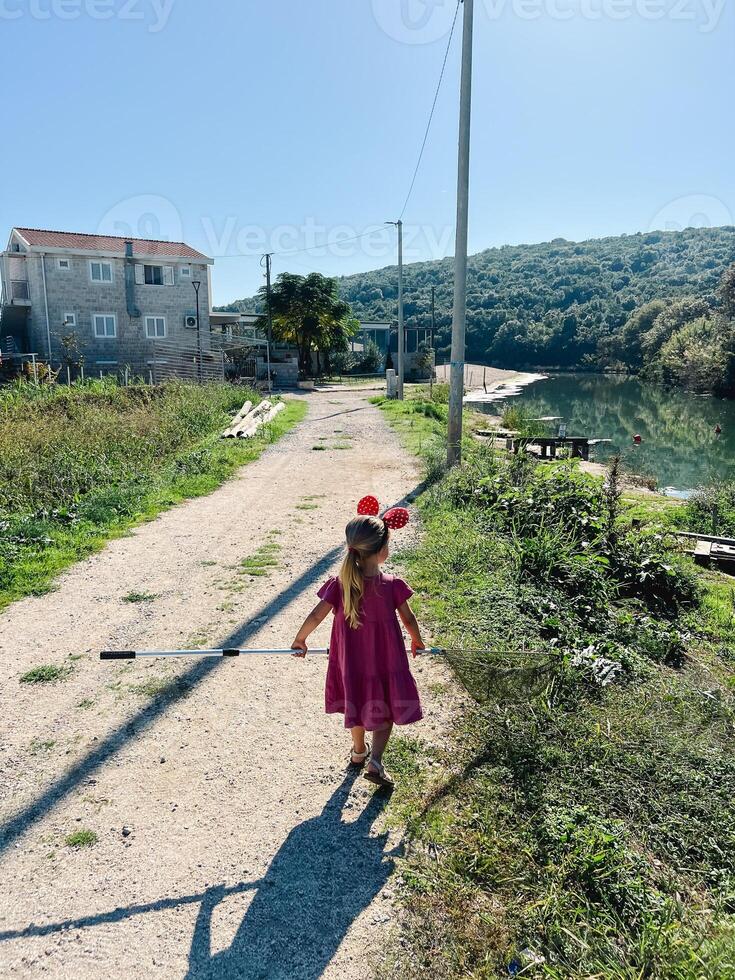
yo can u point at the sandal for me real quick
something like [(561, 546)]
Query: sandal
[(381, 777), (358, 759)]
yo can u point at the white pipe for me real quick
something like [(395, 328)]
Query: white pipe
[(253, 426), (45, 299)]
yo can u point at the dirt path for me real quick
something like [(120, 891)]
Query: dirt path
[(231, 842)]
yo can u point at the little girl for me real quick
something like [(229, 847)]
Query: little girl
[(368, 677)]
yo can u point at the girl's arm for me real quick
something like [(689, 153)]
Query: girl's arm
[(411, 624), (315, 617)]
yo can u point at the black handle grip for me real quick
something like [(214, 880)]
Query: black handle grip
[(117, 655)]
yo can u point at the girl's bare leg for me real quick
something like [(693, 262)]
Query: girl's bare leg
[(380, 740), (358, 740)]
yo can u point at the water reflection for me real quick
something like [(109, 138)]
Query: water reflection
[(679, 447)]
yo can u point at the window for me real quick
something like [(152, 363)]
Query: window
[(155, 327), (185, 272), (153, 275), (64, 264), (105, 325), (70, 319), (100, 271)]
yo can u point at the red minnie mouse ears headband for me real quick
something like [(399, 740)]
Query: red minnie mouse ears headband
[(395, 518)]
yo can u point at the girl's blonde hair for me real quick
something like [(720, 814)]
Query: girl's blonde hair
[(365, 536)]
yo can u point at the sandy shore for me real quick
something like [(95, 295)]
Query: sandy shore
[(481, 381)]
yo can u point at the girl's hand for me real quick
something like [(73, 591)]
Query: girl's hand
[(300, 648), (416, 645)]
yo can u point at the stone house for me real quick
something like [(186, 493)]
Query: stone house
[(119, 296)]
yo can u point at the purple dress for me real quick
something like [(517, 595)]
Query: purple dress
[(368, 677)]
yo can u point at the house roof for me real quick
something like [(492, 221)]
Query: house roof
[(44, 238)]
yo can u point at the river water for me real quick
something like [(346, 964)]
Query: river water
[(680, 448)]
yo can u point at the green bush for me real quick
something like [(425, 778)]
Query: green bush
[(711, 510), (59, 443), (646, 568)]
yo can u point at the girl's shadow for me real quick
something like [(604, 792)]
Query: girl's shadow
[(325, 873)]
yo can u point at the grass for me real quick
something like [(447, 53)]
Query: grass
[(37, 746), (136, 597), (580, 820), (46, 674), (421, 424), (80, 839), (262, 561), (82, 465)]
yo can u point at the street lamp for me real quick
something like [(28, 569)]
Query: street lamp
[(197, 284)]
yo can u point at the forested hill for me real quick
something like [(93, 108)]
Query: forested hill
[(551, 304), (557, 304)]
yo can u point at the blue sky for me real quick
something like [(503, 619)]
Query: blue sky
[(246, 127)]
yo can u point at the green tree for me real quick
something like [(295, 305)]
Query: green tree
[(72, 351), (372, 358), (699, 356), (727, 292), (673, 318), (629, 341), (307, 312), (425, 359)]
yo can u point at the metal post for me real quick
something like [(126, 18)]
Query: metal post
[(401, 336), (68, 375), (197, 284), (150, 376), (431, 345), (35, 369), (459, 315), (127, 375), (401, 340), (81, 372), (269, 315)]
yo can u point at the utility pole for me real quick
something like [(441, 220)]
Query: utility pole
[(432, 352), (401, 339), (269, 316), (459, 315)]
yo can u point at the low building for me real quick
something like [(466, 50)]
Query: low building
[(119, 296)]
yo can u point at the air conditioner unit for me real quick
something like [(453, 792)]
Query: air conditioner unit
[(190, 321)]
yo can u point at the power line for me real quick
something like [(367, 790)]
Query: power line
[(433, 109)]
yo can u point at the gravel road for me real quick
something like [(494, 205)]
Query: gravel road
[(231, 839)]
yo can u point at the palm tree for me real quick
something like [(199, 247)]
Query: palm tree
[(306, 311)]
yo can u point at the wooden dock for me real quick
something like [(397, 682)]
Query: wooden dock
[(548, 447)]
